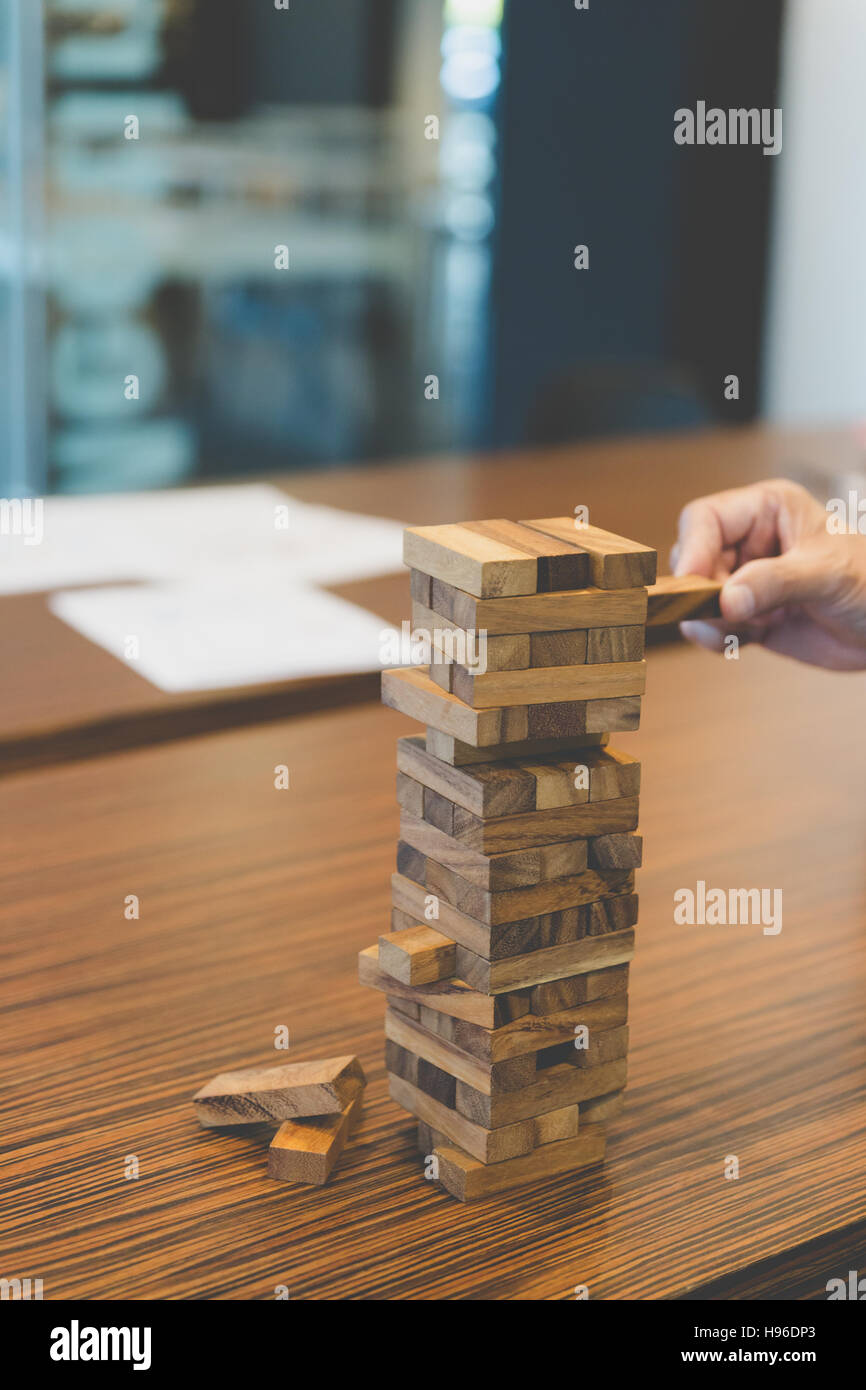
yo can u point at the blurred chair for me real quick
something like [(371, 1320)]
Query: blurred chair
[(609, 398)]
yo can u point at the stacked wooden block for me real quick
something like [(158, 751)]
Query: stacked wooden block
[(506, 966)]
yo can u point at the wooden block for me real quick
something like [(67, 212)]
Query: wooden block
[(410, 794), (538, 967), (468, 1180), (532, 1033), (515, 868), (615, 851), (561, 564), (257, 1094), (497, 834), (555, 1087), (407, 1007), (446, 641), (557, 612), (549, 1128), (605, 644), (607, 1046), (306, 1150), (606, 680), (601, 1108), (487, 1145), (567, 648), (470, 560), (611, 914), (678, 598), (613, 716), (514, 904), (454, 752), (486, 790), (420, 587), (491, 1078), (452, 997), (614, 562), (442, 674), (411, 863), (615, 774), (436, 809), (434, 1082), (599, 983), (417, 956)]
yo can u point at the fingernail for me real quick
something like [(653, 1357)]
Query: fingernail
[(738, 603)]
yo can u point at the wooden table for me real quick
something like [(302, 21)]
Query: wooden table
[(253, 905), (63, 697)]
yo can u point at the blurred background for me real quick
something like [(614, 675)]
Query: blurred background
[(244, 235)]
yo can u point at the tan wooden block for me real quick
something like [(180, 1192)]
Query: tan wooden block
[(611, 914), (556, 612), (497, 834), (561, 564), (539, 967), (442, 674), (616, 716), (468, 1180), (254, 1095), (605, 644), (306, 1150), (491, 1078), (613, 851), (407, 1007), (555, 1087), (410, 794), (606, 680), (485, 1144), (452, 997), (556, 996), (485, 790), (610, 1045), (532, 1033), (567, 648), (471, 561), (613, 775), (555, 783), (614, 561), (494, 872), (419, 955), (601, 1109), (411, 691), (679, 598), (434, 1082), (512, 905), (420, 587), (456, 753), (437, 810)]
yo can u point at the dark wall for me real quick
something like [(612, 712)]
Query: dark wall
[(677, 235)]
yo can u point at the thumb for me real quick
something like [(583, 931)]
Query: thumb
[(798, 576)]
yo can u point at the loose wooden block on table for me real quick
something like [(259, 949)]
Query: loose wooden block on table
[(521, 784), (419, 955), (515, 868), (603, 681), (555, 1087), (567, 611), (614, 561), (412, 692), (256, 1094), (497, 834), (452, 997), (490, 558), (456, 753), (678, 598), (306, 1150)]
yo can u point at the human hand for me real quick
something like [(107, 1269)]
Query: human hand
[(787, 582)]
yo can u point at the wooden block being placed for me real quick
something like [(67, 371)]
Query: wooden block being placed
[(614, 562), (606, 680), (419, 955), (616, 851), (470, 560), (452, 997), (566, 648), (556, 996), (453, 751), (539, 967), (491, 1078), (679, 598), (555, 1087), (257, 1094), (605, 644), (497, 834), (557, 612), (306, 1150), (534, 864), (468, 1180), (515, 904)]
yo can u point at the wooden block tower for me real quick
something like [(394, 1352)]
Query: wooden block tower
[(514, 904)]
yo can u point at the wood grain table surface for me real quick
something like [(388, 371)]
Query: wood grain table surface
[(253, 905), (63, 697)]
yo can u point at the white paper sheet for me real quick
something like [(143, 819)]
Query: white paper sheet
[(193, 532), (225, 632)]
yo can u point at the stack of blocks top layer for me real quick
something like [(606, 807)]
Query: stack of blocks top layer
[(506, 966)]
